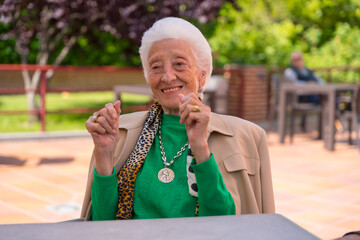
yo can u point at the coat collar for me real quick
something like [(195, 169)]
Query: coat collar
[(132, 120), (136, 120), (217, 124)]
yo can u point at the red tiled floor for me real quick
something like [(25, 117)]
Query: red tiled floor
[(315, 188), (44, 181)]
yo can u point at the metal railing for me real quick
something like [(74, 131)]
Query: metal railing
[(43, 89)]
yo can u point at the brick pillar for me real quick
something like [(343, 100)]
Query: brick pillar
[(247, 94), (235, 91)]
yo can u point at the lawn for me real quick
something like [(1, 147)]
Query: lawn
[(61, 101)]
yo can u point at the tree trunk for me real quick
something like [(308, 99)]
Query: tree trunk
[(31, 85), (32, 82), (32, 107)]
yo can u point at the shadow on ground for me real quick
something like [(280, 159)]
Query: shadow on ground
[(14, 161)]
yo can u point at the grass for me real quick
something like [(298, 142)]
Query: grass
[(61, 101)]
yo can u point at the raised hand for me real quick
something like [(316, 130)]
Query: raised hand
[(196, 117), (104, 130)]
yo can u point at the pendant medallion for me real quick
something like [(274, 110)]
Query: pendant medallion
[(166, 175)]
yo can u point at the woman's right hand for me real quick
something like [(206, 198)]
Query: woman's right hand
[(104, 130)]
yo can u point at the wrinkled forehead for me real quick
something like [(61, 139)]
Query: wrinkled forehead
[(171, 47)]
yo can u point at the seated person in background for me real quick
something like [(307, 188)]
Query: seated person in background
[(299, 74), (142, 166)]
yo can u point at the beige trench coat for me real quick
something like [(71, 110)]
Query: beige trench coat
[(240, 150)]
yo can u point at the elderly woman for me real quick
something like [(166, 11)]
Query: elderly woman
[(178, 159)]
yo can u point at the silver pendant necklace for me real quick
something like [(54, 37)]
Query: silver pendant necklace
[(166, 175)]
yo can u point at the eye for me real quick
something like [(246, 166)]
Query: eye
[(155, 67), (179, 65)]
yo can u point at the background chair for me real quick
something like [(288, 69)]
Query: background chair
[(215, 95), (349, 109), (303, 109), (276, 80), (294, 107)]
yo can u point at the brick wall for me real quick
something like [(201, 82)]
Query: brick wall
[(248, 93)]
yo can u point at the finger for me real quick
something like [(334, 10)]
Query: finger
[(189, 99), (198, 119), (202, 115), (114, 111), (191, 120), (94, 127), (183, 113), (181, 97), (111, 110), (186, 97), (194, 111), (187, 107), (117, 105), (106, 121), (97, 130)]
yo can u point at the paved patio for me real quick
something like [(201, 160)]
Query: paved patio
[(44, 181)]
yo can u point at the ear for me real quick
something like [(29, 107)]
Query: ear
[(202, 79)]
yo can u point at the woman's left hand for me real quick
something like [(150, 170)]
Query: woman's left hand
[(196, 117)]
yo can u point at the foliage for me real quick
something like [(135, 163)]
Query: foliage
[(245, 32), (342, 47), (103, 49), (45, 30), (339, 51), (267, 31), (7, 53)]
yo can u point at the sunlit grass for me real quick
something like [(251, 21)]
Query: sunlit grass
[(56, 102)]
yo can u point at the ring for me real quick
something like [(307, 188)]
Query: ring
[(95, 117), (196, 108)]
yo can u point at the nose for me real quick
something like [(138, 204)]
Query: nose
[(169, 74)]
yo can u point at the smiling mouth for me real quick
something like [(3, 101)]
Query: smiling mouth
[(171, 89)]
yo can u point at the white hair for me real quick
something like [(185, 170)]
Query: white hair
[(177, 28)]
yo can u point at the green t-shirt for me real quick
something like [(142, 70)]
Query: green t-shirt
[(154, 199)]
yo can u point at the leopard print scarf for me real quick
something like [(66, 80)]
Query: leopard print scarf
[(127, 175)]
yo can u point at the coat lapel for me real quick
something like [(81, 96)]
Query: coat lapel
[(217, 124), (131, 126)]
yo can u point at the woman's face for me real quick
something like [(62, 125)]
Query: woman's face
[(173, 71)]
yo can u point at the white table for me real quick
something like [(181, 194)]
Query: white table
[(328, 93), (254, 227)]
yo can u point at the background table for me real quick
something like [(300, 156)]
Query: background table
[(254, 227), (328, 93)]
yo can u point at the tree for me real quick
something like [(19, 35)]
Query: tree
[(52, 28), (267, 31)]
